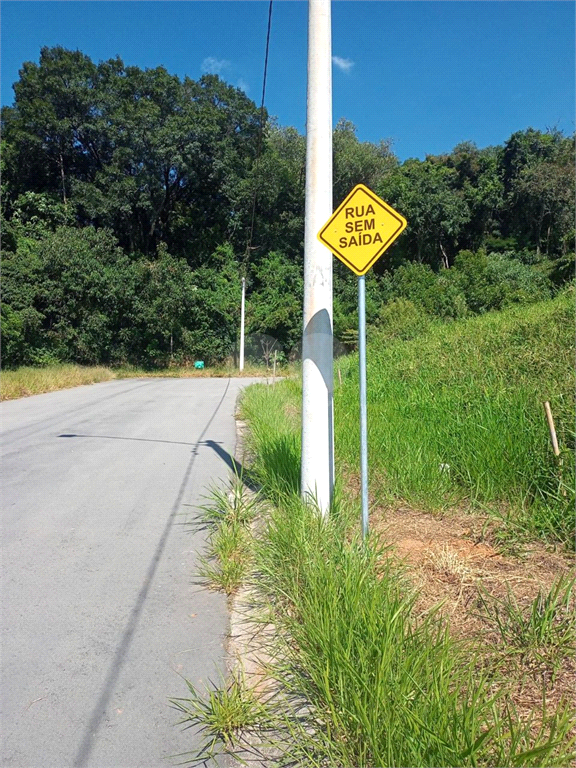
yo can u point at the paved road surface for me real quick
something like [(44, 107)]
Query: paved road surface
[(101, 618)]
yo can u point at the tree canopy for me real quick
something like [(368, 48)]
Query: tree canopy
[(133, 201)]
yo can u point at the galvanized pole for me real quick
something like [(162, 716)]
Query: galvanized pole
[(242, 324), (363, 408), (317, 471)]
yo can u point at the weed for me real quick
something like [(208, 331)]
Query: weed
[(454, 417), (227, 514), (273, 437), (229, 557), (223, 715), (27, 381), (545, 630), (233, 504), (370, 685), (447, 560)]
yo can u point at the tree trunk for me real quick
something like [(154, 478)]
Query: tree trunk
[(63, 177), (445, 261), (538, 235)]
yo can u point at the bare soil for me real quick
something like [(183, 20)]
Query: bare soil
[(452, 560)]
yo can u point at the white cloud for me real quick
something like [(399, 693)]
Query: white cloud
[(344, 64), (243, 85), (214, 66)]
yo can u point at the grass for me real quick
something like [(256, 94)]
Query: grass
[(455, 417), (369, 682), (377, 686), (363, 681), (228, 514), (223, 713), (26, 381), (544, 631)]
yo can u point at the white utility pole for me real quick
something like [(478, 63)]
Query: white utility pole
[(317, 475), (242, 324)]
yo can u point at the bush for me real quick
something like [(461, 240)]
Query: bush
[(400, 319), (74, 296), (438, 294), (495, 281)]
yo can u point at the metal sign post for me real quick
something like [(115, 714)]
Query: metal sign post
[(363, 405), (359, 231)]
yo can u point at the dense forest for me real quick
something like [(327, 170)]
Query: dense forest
[(133, 202)]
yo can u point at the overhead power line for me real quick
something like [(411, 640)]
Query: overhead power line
[(259, 144)]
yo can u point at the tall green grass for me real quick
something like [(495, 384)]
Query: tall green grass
[(367, 684), (363, 682), (455, 416), (274, 417)]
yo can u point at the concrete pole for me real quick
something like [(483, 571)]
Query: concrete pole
[(242, 324), (317, 475)]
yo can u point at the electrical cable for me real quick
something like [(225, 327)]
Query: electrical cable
[(259, 144)]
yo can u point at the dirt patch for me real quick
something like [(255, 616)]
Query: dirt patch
[(455, 568), (447, 554)]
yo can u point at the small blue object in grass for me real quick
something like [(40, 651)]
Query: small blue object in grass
[(199, 364)]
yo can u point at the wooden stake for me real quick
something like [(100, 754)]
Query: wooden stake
[(339, 375), (552, 428)]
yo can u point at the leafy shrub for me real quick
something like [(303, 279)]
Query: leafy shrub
[(495, 281), (437, 294), (74, 296), (400, 319)]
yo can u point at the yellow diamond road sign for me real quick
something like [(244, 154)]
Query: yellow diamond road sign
[(361, 229)]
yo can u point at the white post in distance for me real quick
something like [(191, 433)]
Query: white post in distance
[(317, 470), (242, 324)]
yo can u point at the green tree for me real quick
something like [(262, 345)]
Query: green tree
[(481, 187), (70, 293), (52, 130), (151, 157), (358, 162), (425, 193), (275, 303), (275, 186), (538, 175)]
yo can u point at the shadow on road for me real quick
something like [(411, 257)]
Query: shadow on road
[(233, 464), (118, 660)]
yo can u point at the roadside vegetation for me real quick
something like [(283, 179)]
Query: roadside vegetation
[(459, 654), (29, 380), (35, 380), (133, 201), (456, 416)]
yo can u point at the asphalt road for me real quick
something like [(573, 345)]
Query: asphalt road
[(102, 619)]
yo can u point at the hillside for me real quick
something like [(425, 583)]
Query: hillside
[(456, 415), (463, 584)]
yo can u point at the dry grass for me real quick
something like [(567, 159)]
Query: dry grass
[(27, 381), (189, 372), (24, 382)]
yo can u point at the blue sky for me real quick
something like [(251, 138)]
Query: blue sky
[(425, 74)]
